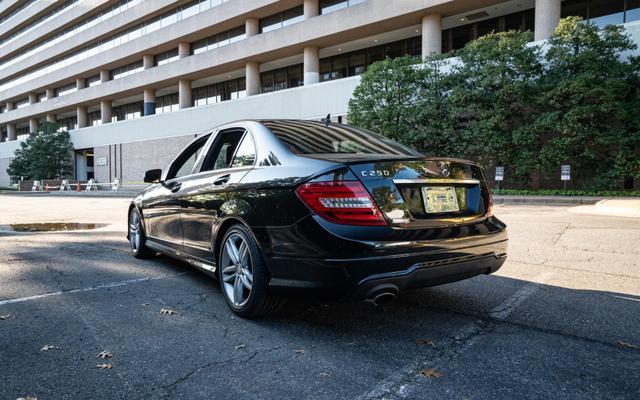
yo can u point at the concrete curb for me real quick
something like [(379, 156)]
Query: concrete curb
[(547, 200), (104, 193)]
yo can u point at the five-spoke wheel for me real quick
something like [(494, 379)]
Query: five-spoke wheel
[(237, 269), (137, 239), (243, 275)]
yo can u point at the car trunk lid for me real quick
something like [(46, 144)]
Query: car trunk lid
[(425, 192)]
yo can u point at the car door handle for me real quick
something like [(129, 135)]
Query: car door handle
[(222, 180), (176, 187)]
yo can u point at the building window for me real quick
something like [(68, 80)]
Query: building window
[(166, 57), (41, 97), (167, 103), (127, 111), (217, 92), (283, 78), (94, 118), (22, 103), (68, 124), (356, 62), (126, 70), (329, 6), (456, 38), (93, 80), (66, 89), (22, 133), (281, 19), (218, 40), (603, 12)]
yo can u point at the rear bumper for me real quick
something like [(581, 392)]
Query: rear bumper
[(394, 265), (427, 274)]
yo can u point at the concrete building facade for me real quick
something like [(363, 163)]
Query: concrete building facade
[(134, 80)]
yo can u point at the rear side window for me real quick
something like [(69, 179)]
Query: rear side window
[(309, 137), (222, 150)]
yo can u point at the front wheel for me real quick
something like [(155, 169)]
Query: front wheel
[(137, 238), (243, 276)]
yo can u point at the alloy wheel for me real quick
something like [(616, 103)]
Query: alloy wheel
[(237, 269), (135, 234)]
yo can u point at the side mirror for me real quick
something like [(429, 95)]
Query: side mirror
[(153, 176)]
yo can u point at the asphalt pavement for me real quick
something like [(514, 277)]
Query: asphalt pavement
[(561, 320)]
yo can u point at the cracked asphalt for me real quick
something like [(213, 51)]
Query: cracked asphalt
[(561, 319)]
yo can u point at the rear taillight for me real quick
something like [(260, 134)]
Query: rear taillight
[(490, 205), (341, 202)]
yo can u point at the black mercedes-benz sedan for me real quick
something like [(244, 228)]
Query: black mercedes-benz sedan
[(276, 208)]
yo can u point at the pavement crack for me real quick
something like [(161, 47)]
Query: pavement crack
[(169, 389), (562, 232)]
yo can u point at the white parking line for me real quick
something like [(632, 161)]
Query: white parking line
[(399, 380), (89, 289), (505, 308)]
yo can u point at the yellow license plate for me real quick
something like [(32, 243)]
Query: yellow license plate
[(440, 199)]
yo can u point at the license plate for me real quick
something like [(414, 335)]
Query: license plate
[(440, 199)]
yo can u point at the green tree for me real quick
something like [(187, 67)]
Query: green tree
[(589, 98), (506, 101), (493, 99), (388, 97), (44, 155)]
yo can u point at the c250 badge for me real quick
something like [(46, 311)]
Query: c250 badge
[(376, 172)]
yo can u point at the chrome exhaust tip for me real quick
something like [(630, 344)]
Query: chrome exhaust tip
[(382, 298)]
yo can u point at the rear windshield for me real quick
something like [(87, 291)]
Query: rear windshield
[(309, 137)]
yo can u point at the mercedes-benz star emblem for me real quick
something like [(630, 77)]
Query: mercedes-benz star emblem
[(445, 169)]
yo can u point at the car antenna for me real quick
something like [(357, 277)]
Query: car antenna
[(326, 120)]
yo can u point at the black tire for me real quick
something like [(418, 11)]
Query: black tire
[(258, 301), (138, 243)]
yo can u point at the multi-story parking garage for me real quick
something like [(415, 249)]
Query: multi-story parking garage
[(134, 80)]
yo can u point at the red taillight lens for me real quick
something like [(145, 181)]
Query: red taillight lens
[(490, 205), (341, 202)]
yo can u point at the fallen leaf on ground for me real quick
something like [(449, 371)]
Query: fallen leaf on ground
[(104, 366), (324, 375), (431, 373), (5, 316), (48, 347), (627, 345), (299, 351), (240, 346), (166, 311), (145, 304), (27, 398), (104, 354), (426, 342)]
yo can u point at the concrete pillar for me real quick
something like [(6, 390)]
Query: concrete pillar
[(81, 83), (547, 16), (82, 116), (184, 49), (105, 111), (33, 125), (184, 93), (252, 26), (33, 98), (148, 61), (10, 105), (252, 76), (51, 93), (51, 117), (311, 8), (11, 132), (105, 75), (431, 34), (311, 65), (149, 102)]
